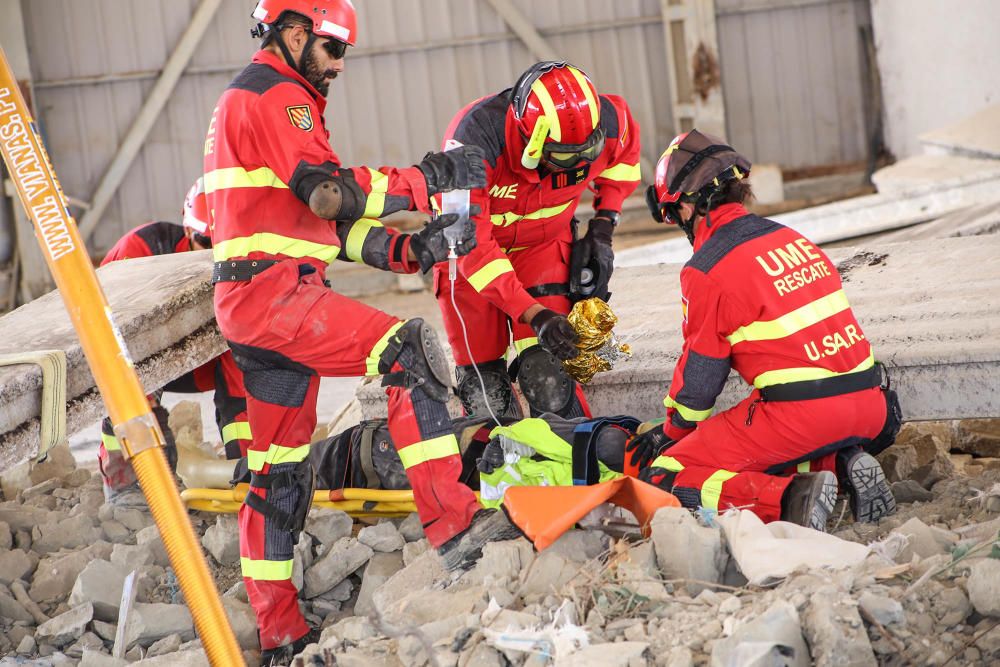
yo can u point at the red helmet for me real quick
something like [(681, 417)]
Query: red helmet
[(557, 111), (692, 169), (196, 216), (331, 18)]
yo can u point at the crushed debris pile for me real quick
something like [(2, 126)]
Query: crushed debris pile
[(928, 591)]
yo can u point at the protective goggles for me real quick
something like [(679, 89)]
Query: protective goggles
[(668, 212), (335, 48), (567, 156)]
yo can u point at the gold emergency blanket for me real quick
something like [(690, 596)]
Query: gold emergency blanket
[(599, 348)]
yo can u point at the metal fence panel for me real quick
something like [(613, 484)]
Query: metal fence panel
[(792, 77), (417, 63)]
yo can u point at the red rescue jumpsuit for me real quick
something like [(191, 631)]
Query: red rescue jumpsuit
[(524, 230), (220, 374), (759, 298), (267, 138)]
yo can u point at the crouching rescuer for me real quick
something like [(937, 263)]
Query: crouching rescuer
[(762, 300), (283, 208)]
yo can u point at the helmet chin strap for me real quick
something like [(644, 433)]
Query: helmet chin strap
[(300, 66), (688, 225)]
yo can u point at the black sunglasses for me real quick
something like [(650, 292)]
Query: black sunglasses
[(335, 48)]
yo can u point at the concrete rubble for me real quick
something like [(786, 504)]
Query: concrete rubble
[(926, 594)]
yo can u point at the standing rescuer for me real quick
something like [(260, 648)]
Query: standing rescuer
[(283, 208), (546, 140), (220, 374), (759, 298)]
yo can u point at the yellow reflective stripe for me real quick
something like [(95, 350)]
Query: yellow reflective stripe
[(783, 375), (236, 431), (484, 276), (793, 322), (667, 463), (273, 244), (375, 202), (356, 238), (506, 219), (371, 363), (622, 172), (238, 177), (266, 570), (276, 454), (523, 344), (711, 490), (428, 450), (802, 467), (111, 443), (688, 413), (595, 110), (549, 108)]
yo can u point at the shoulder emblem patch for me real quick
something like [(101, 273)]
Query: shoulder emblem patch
[(300, 116), (684, 308)]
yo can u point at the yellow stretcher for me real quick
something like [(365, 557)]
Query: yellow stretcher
[(359, 503)]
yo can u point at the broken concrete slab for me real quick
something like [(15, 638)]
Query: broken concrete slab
[(343, 558), (57, 573), (328, 526), (921, 173), (100, 583), (972, 221), (16, 564), (222, 540), (379, 569), (66, 627), (849, 218), (71, 533), (984, 586), (383, 537), (835, 632), (150, 622), (163, 308), (977, 135), (937, 337), (687, 550), (772, 638)]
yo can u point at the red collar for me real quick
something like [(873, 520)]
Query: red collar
[(720, 216), (272, 60)]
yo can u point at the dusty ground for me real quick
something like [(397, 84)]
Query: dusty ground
[(928, 594)]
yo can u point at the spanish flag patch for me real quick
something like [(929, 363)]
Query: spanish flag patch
[(300, 116)]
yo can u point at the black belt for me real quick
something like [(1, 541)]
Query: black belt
[(239, 270), (834, 386), (549, 289)]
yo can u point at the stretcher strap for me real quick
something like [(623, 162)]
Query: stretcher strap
[(52, 416)]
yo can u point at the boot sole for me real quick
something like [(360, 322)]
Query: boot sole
[(825, 500), (871, 497)]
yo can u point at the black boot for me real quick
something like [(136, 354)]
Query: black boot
[(283, 655), (809, 499), (462, 551), (868, 491)]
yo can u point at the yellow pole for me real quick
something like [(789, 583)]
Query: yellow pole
[(135, 426)]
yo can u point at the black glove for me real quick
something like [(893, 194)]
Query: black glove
[(555, 334), (430, 246), (646, 447), (460, 168), (592, 252)]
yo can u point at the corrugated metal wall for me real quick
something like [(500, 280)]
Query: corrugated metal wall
[(792, 78), (418, 62)]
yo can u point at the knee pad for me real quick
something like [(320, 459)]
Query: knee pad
[(544, 381), (416, 347), (890, 429), (271, 377), (290, 488), (499, 392)]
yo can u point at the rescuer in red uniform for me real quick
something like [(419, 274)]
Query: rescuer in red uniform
[(546, 140), (283, 208), (220, 374), (762, 300)]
